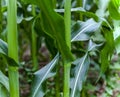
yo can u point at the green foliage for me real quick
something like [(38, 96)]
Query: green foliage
[(107, 51), (114, 9), (70, 43), (41, 76)]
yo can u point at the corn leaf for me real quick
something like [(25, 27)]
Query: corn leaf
[(53, 25), (116, 34), (114, 9), (79, 72), (41, 75), (3, 91), (4, 54), (81, 11), (82, 31), (4, 81), (107, 50)]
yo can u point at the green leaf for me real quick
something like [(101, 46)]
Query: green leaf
[(53, 25), (79, 72), (102, 7), (4, 54), (116, 34), (107, 50), (3, 91), (93, 46), (4, 81), (3, 47), (81, 11), (114, 9), (41, 75), (82, 31)]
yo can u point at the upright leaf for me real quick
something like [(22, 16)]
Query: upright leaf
[(114, 9), (41, 76), (4, 54), (4, 81), (80, 70), (107, 50), (116, 34)]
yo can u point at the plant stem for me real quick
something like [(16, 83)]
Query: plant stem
[(67, 66), (57, 81), (66, 91), (13, 48), (67, 20), (80, 4), (34, 40), (0, 17)]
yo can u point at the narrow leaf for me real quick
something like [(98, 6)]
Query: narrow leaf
[(41, 76), (107, 50), (4, 54), (4, 81), (81, 11), (3, 91), (80, 70)]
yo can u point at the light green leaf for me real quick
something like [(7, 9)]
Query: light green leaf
[(116, 34), (114, 9)]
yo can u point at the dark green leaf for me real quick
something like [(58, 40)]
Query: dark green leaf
[(107, 50), (53, 25)]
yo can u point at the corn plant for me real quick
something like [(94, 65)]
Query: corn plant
[(72, 34)]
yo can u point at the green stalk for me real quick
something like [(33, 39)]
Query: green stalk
[(80, 4), (0, 17), (67, 66), (34, 40), (13, 48), (57, 81)]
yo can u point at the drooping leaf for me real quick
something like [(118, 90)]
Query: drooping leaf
[(4, 81), (78, 78), (114, 9), (82, 31), (41, 75), (53, 25), (107, 50)]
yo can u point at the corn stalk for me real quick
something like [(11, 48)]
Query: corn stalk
[(13, 47)]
